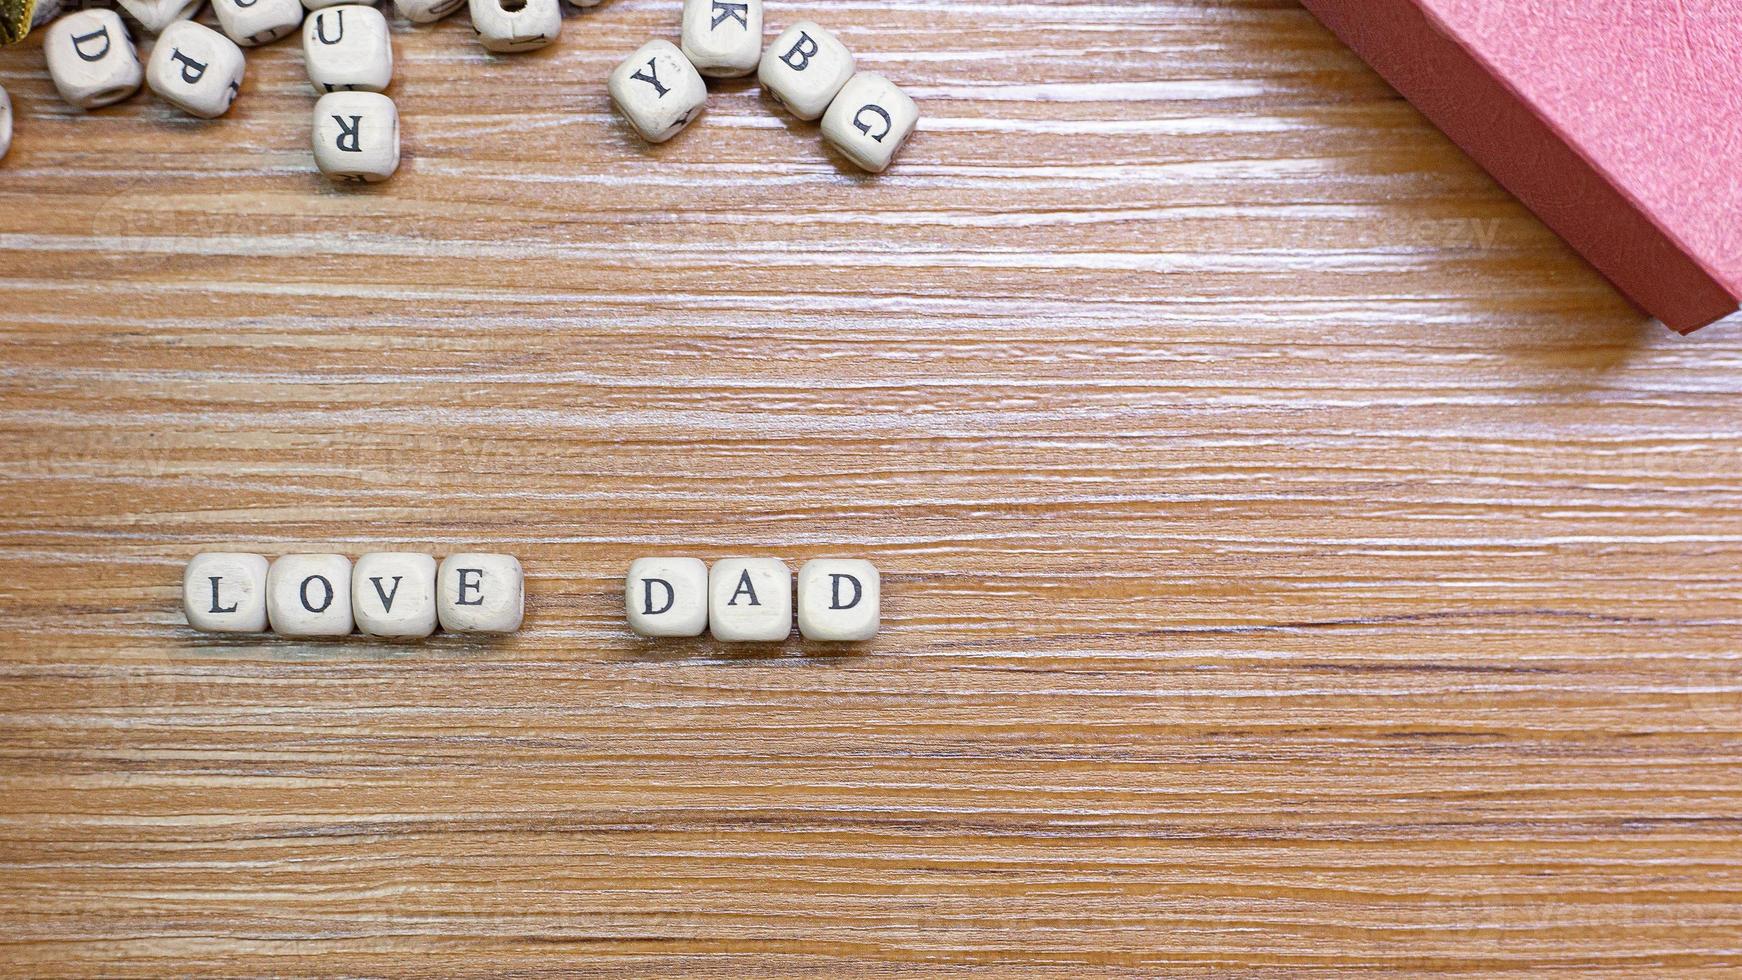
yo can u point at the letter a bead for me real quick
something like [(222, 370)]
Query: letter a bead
[(750, 600), (658, 91), (804, 68), (480, 593), (91, 59), (195, 69), (225, 592), (393, 595), (667, 596), (309, 596), (839, 600), (870, 120), (356, 137)]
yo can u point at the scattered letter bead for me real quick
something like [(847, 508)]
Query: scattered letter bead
[(322, 4), (427, 11), (870, 121), (195, 69), (356, 137), (253, 22), (155, 16), (309, 596), (5, 123), (723, 38), (804, 68), (224, 592), (347, 48), (658, 91), (393, 595), (839, 600), (92, 59), (750, 600), (481, 593), (515, 25), (667, 596)]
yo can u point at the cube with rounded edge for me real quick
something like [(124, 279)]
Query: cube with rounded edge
[(427, 11), (196, 69), (804, 68), (356, 137), (870, 121), (254, 22), (155, 16), (393, 595), (750, 600), (347, 49), (723, 38), (667, 596), (91, 59), (5, 123), (225, 592), (309, 596), (481, 593), (839, 600), (658, 91), (323, 4), (515, 25)]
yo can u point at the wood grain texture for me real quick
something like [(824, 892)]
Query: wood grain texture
[(1296, 560)]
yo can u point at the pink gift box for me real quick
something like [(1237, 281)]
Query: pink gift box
[(1618, 122)]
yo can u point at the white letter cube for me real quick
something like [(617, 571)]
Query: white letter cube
[(750, 600), (658, 91), (347, 48), (804, 68), (478, 593), (427, 11), (667, 596), (5, 123), (839, 600), (225, 592), (356, 137), (309, 596), (155, 16), (393, 595), (515, 25), (723, 38), (254, 22), (92, 59), (195, 69), (870, 121)]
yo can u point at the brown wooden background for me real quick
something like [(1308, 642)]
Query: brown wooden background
[(1296, 559)]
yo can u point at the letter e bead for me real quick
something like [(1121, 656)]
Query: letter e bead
[(309, 596), (750, 600), (804, 68), (195, 69), (839, 600), (658, 91), (356, 137), (347, 48), (393, 595), (870, 121), (92, 59), (723, 38), (667, 596), (225, 592), (478, 593)]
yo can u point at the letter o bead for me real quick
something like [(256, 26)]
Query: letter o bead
[(196, 69), (356, 137), (225, 592), (804, 68), (309, 596), (870, 121), (839, 600), (667, 597), (393, 595), (479, 593), (750, 600), (91, 59), (658, 91)]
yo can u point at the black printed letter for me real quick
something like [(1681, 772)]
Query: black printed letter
[(303, 593), (862, 126), (647, 602), (386, 597), (744, 586), (78, 44), (724, 11), (651, 77), (191, 70), (321, 26), (215, 607), (835, 592), (799, 58), (349, 133), (476, 585)]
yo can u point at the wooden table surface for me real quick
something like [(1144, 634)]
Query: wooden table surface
[(1296, 559)]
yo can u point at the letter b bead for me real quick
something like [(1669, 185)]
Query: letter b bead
[(309, 596), (667, 596), (750, 600), (658, 91), (92, 59), (870, 120), (839, 600), (356, 137), (195, 69)]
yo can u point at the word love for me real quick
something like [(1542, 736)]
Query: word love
[(395, 595), (749, 600)]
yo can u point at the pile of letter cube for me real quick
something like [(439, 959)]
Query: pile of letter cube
[(349, 54)]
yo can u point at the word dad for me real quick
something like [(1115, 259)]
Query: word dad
[(749, 600)]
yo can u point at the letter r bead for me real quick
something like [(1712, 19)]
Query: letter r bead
[(839, 600), (667, 597)]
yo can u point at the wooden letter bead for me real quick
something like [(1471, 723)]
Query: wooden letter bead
[(667, 596), (427, 11), (356, 137), (870, 121), (723, 38), (839, 600), (515, 25), (5, 123), (224, 592), (195, 69), (347, 49), (804, 68), (155, 16), (91, 59), (481, 593), (255, 22), (750, 600), (658, 91), (310, 596), (393, 595)]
